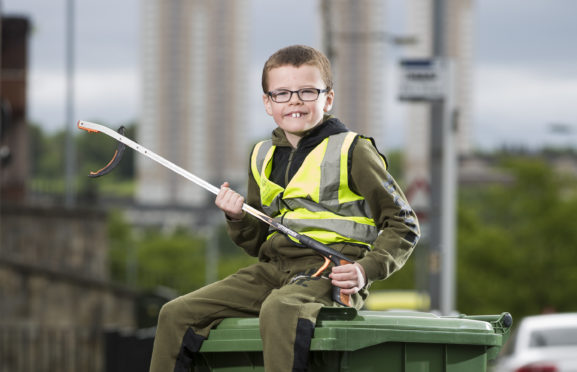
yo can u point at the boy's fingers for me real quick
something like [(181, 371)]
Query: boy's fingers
[(349, 278), (229, 201), (350, 291)]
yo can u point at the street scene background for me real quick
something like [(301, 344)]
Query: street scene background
[(85, 260)]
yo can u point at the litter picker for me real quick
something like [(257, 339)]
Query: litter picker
[(329, 254)]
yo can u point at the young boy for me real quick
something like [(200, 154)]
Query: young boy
[(318, 179)]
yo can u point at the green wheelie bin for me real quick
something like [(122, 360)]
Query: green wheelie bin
[(363, 341)]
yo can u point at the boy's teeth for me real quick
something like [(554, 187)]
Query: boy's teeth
[(296, 115)]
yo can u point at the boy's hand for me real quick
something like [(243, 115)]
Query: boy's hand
[(230, 202), (350, 278)]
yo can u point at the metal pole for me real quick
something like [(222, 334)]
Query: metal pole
[(443, 182), (435, 220), (328, 42), (450, 188), (70, 198)]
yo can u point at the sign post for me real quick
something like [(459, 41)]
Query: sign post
[(430, 80)]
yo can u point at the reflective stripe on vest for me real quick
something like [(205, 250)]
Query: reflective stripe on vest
[(317, 201)]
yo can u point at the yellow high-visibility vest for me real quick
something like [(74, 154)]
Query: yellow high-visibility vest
[(317, 201)]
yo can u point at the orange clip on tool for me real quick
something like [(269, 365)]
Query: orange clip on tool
[(80, 126)]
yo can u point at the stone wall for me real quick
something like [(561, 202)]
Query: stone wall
[(55, 294)]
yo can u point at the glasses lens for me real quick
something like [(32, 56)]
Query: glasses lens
[(308, 94), (281, 95)]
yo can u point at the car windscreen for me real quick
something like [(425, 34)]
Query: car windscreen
[(553, 337)]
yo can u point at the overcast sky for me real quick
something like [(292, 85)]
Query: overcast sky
[(525, 74)]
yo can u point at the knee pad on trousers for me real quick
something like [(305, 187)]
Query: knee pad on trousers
[(302, 346), (191, 343)]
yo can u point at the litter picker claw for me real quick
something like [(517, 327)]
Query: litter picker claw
[(115, 158), (329, 254)]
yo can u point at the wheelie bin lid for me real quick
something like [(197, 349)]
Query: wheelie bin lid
[(346, 329)]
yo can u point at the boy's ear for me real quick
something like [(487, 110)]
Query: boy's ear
[(267, 104), (329, 101)]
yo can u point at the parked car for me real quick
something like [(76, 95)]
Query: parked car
[(541, 343)]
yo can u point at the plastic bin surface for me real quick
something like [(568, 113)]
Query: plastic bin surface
[(347, 340)]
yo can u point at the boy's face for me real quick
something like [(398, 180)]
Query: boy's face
[(296, 117)]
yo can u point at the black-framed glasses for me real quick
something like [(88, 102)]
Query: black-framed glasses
[(305, 94)]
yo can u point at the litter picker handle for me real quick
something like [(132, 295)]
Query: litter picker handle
[(335, 257), (337, 260)]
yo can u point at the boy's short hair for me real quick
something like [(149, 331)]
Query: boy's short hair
[(298, 55)]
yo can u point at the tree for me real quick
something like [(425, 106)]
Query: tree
[(516, 243)]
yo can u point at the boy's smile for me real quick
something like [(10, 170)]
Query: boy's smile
[(296, 117)]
